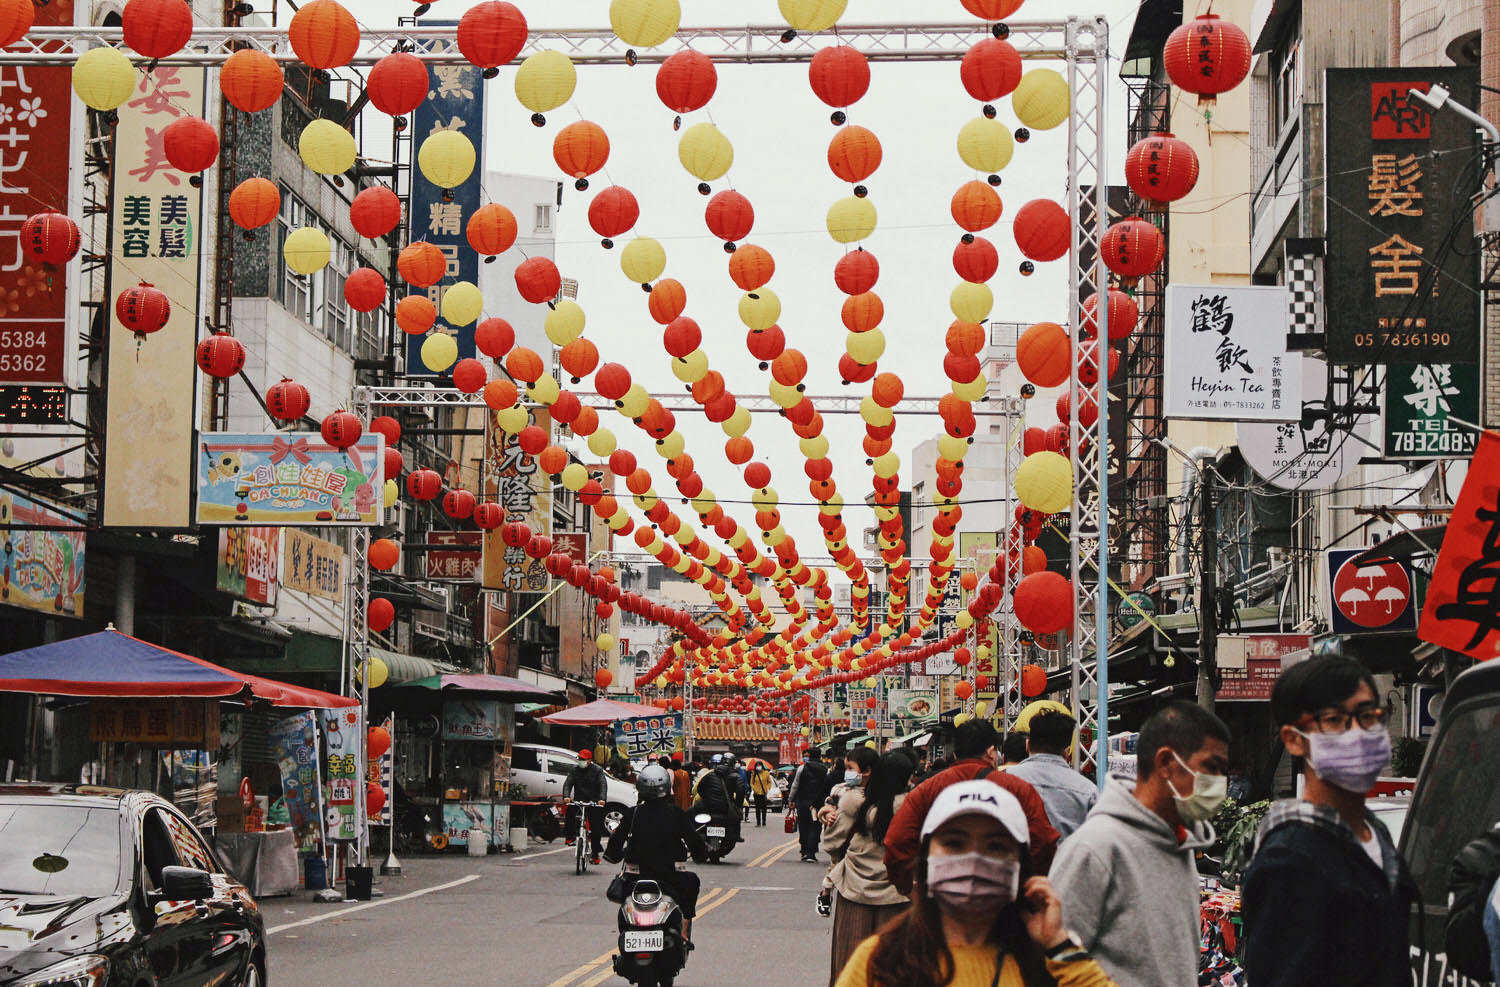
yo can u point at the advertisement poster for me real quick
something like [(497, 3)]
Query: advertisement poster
[(248, 563), (1423, 406), (1226, 356), (513, 479), (649, 736), (1461, 613), (289, 478), (312, 565), (341, 730), (913, 704), (382, 770), (1250, 664), (42, 570), (460, 817), (472, 719), (294, 741)]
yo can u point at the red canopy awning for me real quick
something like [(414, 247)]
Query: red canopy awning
[(110, 664), (601, 712)]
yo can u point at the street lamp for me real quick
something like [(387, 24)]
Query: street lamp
[(1435, 98)]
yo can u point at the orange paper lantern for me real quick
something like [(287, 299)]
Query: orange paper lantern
[(251, 80), (324, 34)]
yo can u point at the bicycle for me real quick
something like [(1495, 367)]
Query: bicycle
[(581, 836)]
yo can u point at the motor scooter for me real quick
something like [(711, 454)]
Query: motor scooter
[(717, 830), (652, 948)]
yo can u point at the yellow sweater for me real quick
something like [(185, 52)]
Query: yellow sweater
[(974, 966)]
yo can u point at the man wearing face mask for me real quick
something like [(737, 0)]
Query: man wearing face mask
[(1126, 876), (1326, 897)]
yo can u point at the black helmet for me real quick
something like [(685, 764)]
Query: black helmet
[(654, 782)]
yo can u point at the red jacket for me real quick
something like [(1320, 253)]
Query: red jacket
[(903, 839)]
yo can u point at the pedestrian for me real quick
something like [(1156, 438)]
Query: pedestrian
[(1472, 879), (857, 880), (1326, 898), (682, 785), (858, 763), (1012, 750), (761, 783), (744, 791), (979, 915), (1065, 792), (1127, 876), (809, 784), (974, 744)]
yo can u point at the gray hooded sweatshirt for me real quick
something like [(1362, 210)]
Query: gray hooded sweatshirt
[(1130, 891)]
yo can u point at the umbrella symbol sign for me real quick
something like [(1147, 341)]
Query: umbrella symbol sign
[(1373, 596)]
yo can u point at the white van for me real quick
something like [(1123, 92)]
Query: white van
[(543, 770)]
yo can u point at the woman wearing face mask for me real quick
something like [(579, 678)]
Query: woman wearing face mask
[(857, 766), (856, 842), (978, 917)]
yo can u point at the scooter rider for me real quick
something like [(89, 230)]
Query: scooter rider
[(654, 838), (716, 797)]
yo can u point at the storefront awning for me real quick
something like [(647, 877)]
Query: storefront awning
[(110, 664), (501, 686), (601, 713)]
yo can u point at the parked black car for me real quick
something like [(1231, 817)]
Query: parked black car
[(107, 888)]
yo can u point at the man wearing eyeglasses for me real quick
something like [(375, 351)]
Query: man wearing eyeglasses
[(1326, 897)]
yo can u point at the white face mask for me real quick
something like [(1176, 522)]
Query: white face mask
[(1209, 792), (1352, 760)]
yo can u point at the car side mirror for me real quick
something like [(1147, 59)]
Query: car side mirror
[(186, 884)]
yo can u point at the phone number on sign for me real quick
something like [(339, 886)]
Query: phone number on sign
[(30, 354), (1401, 338), (1430, 442)]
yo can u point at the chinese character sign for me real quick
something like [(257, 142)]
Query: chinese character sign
[(649, 736), (1423, 405), (1395, 292), (249, 562), (513, 479), (289, 478), (472, 719), (42, 570), (294, 742), (1226, 355), (1462, 611), (312, 565), (342, 729)]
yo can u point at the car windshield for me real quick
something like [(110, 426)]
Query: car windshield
[(1460, 796), (59, 849)]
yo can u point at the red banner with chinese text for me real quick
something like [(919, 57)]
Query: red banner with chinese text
[(1462, 611)]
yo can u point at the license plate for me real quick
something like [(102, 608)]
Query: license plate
[(645, 942), (716, 831)]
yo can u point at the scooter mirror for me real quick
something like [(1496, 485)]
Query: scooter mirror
[(702, 818)]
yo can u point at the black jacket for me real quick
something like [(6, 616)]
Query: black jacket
[(662, 837), (1470, 880), (809, 784), (585, 783), (714, 793)]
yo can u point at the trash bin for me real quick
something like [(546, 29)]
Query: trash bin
[(314, 873), (479, 842), (359, 883), (518, 838)]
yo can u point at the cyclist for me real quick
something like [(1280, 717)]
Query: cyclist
[(655, 838), (585, 784)]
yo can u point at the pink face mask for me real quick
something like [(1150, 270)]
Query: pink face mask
[(970, 882)]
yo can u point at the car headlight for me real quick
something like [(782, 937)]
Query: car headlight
[(80, 971)]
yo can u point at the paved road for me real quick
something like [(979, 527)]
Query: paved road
[(528, 920)]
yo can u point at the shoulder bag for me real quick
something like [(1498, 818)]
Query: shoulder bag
[(619, 887)]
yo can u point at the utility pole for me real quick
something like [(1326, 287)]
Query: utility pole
[(1208, 587)]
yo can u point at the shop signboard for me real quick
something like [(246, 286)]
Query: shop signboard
[(456, 564), (294, 742), (346, 777), (1396, 290), (248, 562), (455, 101), (1368, 597), (1423, 407), (42, 569), (312, 565), (941, 663), (524, 493), (1303, 454), (289, 478), (648, 736), (913, 704), (182, 723), (1462, 612), (1226, 355), (1249, 664), (472, 719), (460, 817)]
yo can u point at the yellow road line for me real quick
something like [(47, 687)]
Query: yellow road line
[(594, 977), (778, 854), (709, 894), (567, 978), (704, 911), (784, 846), (600, 977)]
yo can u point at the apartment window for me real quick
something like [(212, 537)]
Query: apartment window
[(543, 222), (653, 577), (335, 322), (1286, 81), (293, 291)]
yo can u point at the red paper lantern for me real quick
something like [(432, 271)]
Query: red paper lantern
[(855, 372), (491, 34), (488, 516), (1044, 602), (421, 264), (251, 80), (364, 289), (992, 10), (976, 206), (567, 407), (532, 439), (854, 153), (757, 476), (220, 355), (1033, 558), (686, 81), (380, 615), (1161, 168), (1043, 353), (603, 677), (384, 554), (1088, 410), (424, 484), (612, 381), (538, 280), (839, 75), (254, 203), (991, 70), (579, 358), (751, 267), (976, 260), (288, 400), (1041, 229), (1207, 56), (491, 230), (16, 18), (1088, 363), (1124, 315), (143, 309), (681, 337), (888, 389), (667, 300), (581, 148), (189, 143), (469, 375), (374, 798), (494, 338), (861, 313), (341, 429), (378, 740), (960, 369), (394, 462), (398, 83), (965, 339), (871, 724), (1132, 247), (458, 504), (613, 212), (156, 28), (50, 237), (789, 368), (729, 216), (324, 34), (856, 272), (376, 210), (1033, 680)]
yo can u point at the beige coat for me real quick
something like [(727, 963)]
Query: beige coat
[(858, 870)]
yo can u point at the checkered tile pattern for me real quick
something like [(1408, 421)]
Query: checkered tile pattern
[(1304, 280)]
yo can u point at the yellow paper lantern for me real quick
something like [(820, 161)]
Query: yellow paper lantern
[(306, 250), (565, 322), (644, 23), (512, 420), (973, 391), (812, 15), (961, 719), (1041, 101), (635, 401), (544, 390), (738, 423), (545, 81), (391, 493), (865, 347), (446, 159), (851, 219), (691, 368), (815, 447), (1044, 482), (605, 642), (952, 448), (439, 351), (326, 148), (964, 620), (765, 499), (1023, 722), (602, 442), (643, 260), (103, 78), (379, 671), (874, 414), (985, 145), (887, 466), (671, 445), (574, 476), (784, 395), (971, 302), (806, 731), (705, 152), (759, 309), (462, 303)]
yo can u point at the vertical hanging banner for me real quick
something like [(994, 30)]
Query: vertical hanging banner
[(341, 732), (1397, 289), (1462, 611), (1226, 356), (152, 381), (455, 101), (294, 742), (513, 479)]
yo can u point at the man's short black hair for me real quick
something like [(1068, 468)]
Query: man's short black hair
[(1316, 684), (1183, 727), (1051, 732), (973, 737), (1013, 747)]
